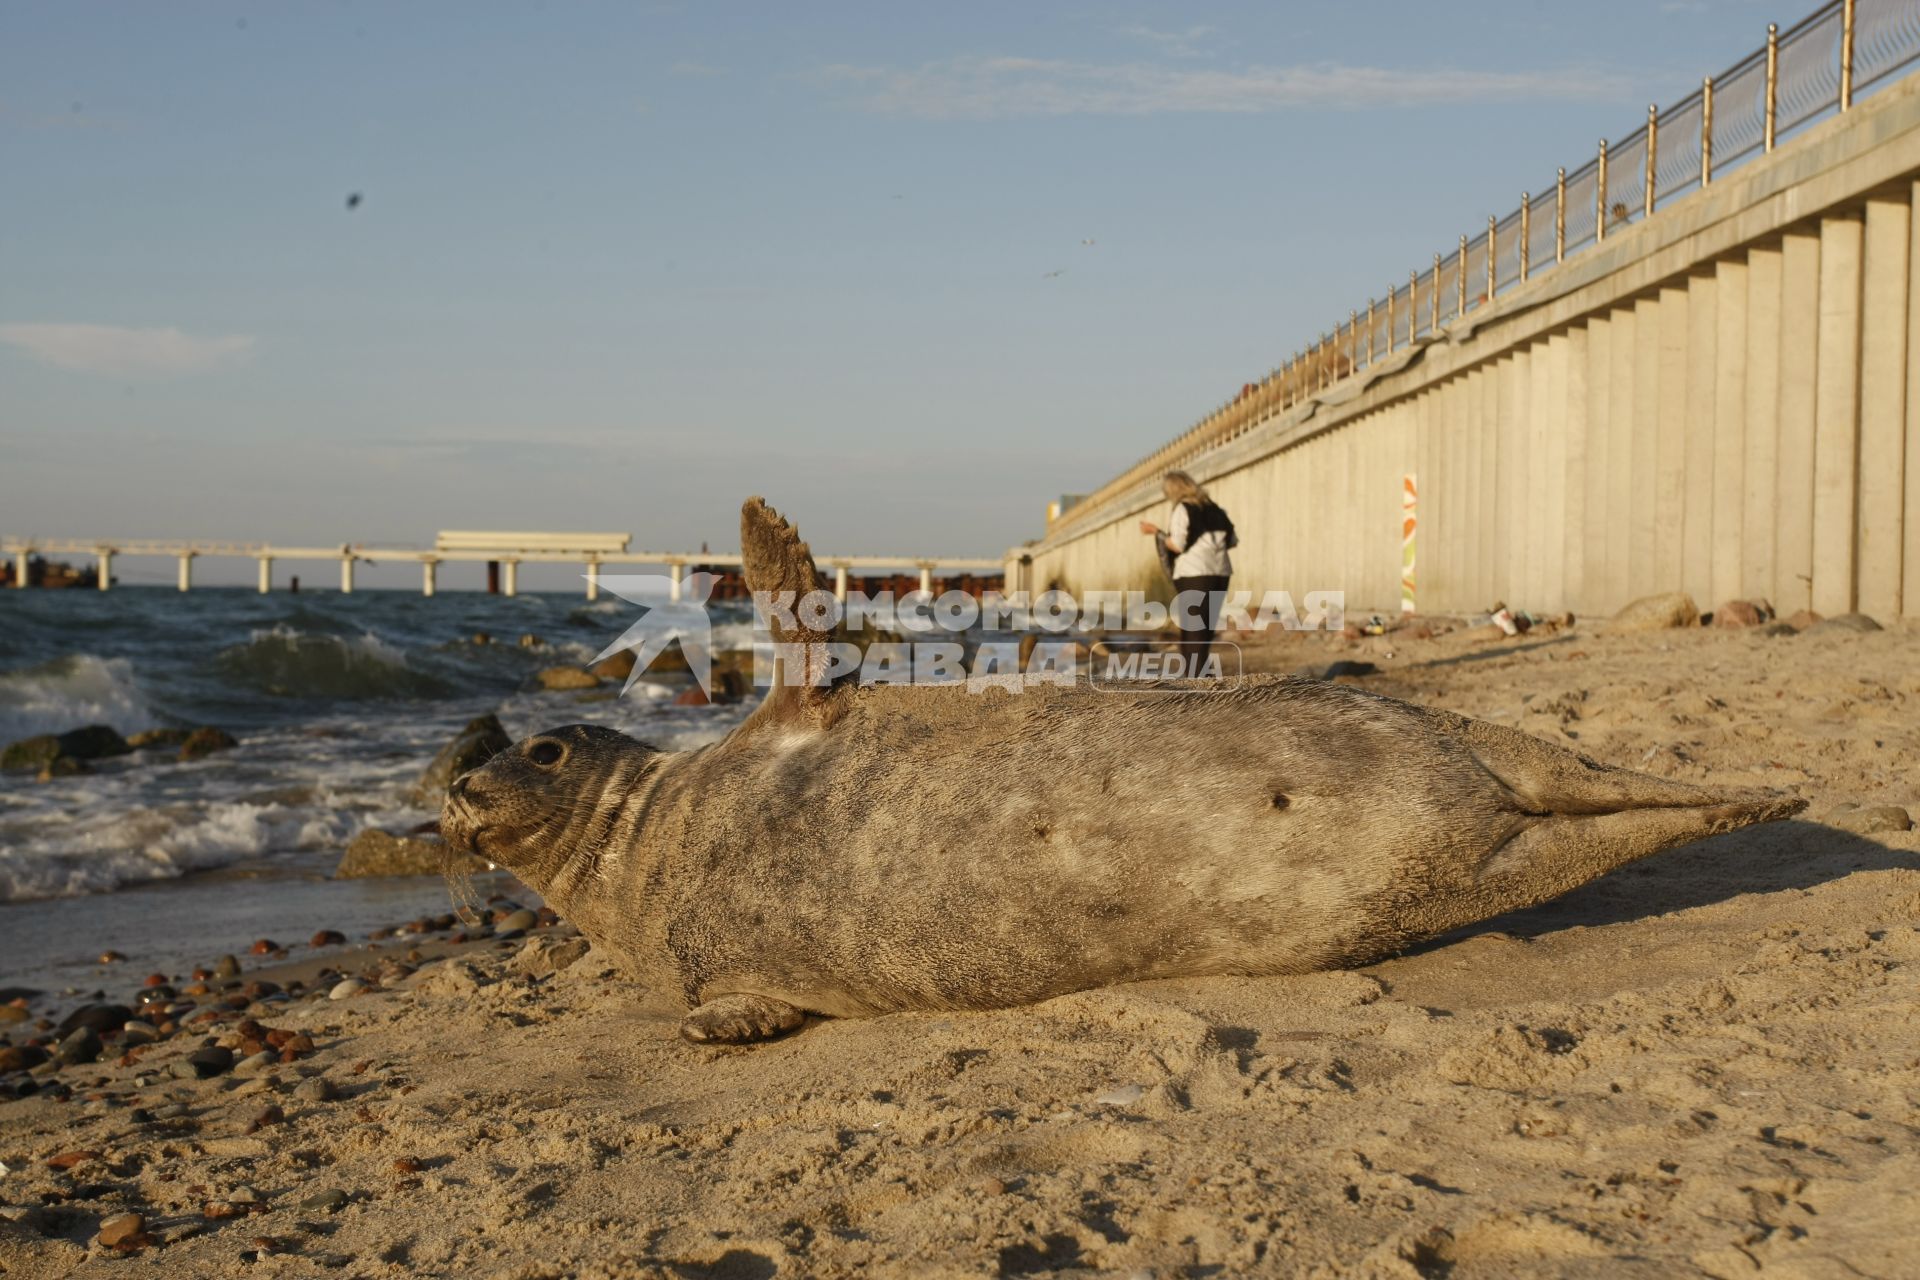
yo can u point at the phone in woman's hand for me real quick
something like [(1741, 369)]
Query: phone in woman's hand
[(1149, 527)]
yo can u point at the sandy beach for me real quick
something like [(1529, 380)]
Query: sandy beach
[(1706, 1064)]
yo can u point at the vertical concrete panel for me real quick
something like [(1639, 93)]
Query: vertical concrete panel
[(1702, 377), (1729, 446), (1485, 402), (1510, 471), (1593, 561), (1575, 398), (1620, 447), (1670, 439), (1793, 474), (1559, 528), (1883, 405), (1759, 507), (1836, 441), (1649, 371), (1474, 544), (1910, 536), (1456, 509), (1541, 423)]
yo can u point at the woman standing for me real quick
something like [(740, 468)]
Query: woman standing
[(1197, 539)]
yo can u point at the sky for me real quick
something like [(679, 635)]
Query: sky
[(909, 270)]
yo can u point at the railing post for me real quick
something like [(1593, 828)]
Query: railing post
[(1460, 281), (1600, 195), (1560, 216), (1492, 258), (1653, 149), (1433, 302), (1413, 305), (1526, 231), (1391, 291), (1369, 331), (1706, 130), (1846, 54), (1353, 339), (1773, 83)]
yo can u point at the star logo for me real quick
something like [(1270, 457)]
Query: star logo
[(665, 619)]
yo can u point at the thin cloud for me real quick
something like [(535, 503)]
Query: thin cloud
[(119, 352), (1002, 87), (1178, 44)]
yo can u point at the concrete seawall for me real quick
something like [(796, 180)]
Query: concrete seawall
[(1722, 399)]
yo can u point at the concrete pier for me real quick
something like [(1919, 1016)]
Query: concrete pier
[(428, 573), (593, 580), (20, 561), (266, 574), (186, 572), (104, 577), (346, 575), (509, 577)]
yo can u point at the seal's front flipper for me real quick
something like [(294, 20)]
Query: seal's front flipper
[(740, 1020)]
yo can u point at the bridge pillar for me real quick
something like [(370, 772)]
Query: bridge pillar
[(20, 559), (106, 570), (840, 583), (509, 577), (593, 580), (266, 574), (346, 575), (186, 571), (427, 568), (673, 578), (926, 580)]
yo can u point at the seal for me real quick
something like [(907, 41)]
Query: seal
[(849, 852)]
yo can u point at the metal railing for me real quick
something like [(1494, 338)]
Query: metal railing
[(1812, 70)]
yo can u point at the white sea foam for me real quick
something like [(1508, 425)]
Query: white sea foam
[(147, 844), (68, 692)]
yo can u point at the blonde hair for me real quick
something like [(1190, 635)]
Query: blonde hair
[(1184, 487)]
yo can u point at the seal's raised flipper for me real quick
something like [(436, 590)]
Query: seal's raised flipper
[(740, 1020), (779, 571)]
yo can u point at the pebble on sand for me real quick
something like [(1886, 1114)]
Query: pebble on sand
[(515, 923), (1871, 819), (123, 1231), (328, 938), (345, 988)]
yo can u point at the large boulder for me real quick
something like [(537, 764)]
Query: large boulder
[(204, 742), (617, 665), (381, 853), (1743, 613), (473, 746), (158, 738), (1656, 613), (560, 678), (93, 742), (1856, 623)]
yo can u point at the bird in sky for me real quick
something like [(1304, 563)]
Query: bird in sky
[(1053, 275), (353, 200), (1087, 243)]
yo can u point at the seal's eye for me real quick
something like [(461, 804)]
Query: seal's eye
[(546, 753)]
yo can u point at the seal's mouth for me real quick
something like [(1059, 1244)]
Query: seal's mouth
[(460, 826)]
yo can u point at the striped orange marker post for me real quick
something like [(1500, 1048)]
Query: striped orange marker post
[(1409, 502)]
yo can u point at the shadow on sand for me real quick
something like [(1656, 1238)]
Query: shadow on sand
[(1765, 859)]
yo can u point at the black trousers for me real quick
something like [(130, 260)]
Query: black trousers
[(1208, 614)]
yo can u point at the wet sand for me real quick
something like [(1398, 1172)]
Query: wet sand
[(1708, 1063)]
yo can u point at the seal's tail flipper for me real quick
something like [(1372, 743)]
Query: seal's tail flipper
[(1576, 818), (779, 571)]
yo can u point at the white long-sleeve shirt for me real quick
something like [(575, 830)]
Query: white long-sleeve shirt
[(1206, 558)]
